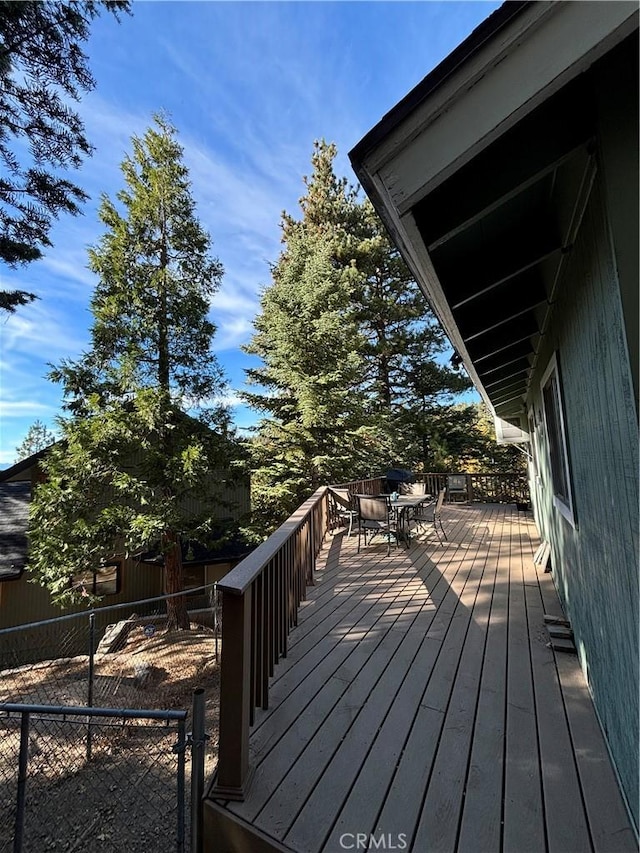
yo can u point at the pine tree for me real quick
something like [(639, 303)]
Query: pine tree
[(38, 437), (132, 462), (42, 67), (353, 380), (403, 381), (307, 339)]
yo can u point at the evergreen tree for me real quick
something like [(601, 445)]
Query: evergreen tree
[(132, 464), (405, 386), (42, 66), (464, 440), (308, 341), (353, 379), (37, 438)]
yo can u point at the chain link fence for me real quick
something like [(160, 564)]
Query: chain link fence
[(116, 657), (106, 781), (129, 796)]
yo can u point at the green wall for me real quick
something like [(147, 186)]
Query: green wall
[(595, 562)]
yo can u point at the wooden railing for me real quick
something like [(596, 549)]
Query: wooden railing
[(373, 486), (260, 600), (484, 488)]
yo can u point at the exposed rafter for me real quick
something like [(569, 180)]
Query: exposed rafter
[(546, 138)]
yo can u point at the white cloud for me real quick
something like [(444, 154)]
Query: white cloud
[(234, 299), (232, 332), (20, 408), (232, 400), (70, 267), (42, 331)]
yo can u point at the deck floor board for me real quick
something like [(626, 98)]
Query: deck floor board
[(420, 703)]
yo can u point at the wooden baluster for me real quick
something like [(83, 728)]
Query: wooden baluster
[(254, 672)]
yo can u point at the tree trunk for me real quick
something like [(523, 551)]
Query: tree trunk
[(177, 616)]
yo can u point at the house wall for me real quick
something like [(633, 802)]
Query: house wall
[(595, 562), (22, 601), (617, 97)]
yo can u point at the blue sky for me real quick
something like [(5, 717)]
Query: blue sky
[(249, 87)]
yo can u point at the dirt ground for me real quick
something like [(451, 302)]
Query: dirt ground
[(124, 798)]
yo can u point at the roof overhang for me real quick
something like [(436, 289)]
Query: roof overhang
[(482, 175)]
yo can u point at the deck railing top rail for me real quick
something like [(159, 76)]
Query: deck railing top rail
[(370, 486), (242, 576)]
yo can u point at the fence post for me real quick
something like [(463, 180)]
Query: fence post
[(198, 738), (469, 488), (233, 776), (180, 748), (23, 760), (92, 637)]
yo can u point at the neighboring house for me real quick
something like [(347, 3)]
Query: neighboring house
[(508, 179), (122, 579)]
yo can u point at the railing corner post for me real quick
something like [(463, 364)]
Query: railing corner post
[(233, 776)]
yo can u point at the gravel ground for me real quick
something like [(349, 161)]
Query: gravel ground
[(124, 798)]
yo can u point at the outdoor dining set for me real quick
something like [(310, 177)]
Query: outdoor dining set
[(393, 516)]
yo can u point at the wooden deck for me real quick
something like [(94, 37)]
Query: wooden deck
[(420, 708)]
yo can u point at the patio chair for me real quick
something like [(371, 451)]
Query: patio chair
[(376, 516), (413, 488), (342, 509), (457, 487), (432, 515)]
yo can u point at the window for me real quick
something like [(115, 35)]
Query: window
[(193, 577), (105, 580), (557, 440)]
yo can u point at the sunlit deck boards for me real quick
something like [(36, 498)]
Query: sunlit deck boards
[(419, 701)]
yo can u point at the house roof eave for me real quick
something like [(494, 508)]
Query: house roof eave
[(492, 142)]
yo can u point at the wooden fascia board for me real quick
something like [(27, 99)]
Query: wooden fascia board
[(544, 48)]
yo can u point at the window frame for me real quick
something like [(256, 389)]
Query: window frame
[(195, 588), (78, 584), (564, 504)]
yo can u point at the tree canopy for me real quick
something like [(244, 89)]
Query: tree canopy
[(42, 69), (38, 437), (348, 347), (146, 434)]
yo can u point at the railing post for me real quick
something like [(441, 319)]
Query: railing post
[(469, 488), (312, 550), (233, 777)]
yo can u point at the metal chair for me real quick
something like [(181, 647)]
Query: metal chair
[(413, 488), (376, 516), (457, 487), (342, 509), (432, 515)]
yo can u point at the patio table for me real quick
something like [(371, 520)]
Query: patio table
[(402, 506)]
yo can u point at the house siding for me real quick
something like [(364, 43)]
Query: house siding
[(595, 562), (24, 601)]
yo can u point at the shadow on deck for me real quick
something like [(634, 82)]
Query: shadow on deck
[(421, 708)]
